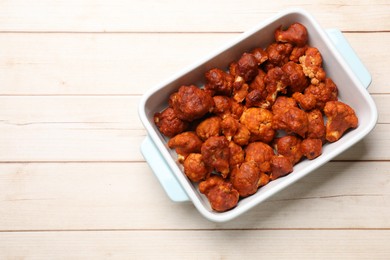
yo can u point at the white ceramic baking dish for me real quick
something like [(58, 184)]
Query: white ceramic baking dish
[(340, 63)]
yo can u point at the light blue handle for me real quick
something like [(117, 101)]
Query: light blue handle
[(162, 171), (350, 56)]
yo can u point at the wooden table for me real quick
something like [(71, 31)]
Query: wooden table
[(73, 184)]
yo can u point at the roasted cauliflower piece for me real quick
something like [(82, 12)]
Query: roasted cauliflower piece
[(184, 144), (259, 123), (245, 178), (195, 168), (341, 117), (316, 129), (290, 147), (311, 148), (216, 154), (315, 96), (247, 67), (311, 64), (209, 127), (191, 102), (220, 193), (298, 81), (237, 154), (218, 82), (280, 166), (295, 34), (168, 123), (260, 153), (278, 54), (291, 120)]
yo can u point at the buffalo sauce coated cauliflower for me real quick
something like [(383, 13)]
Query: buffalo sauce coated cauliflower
[(216, 154), (295, 34), (259, 123), (184, 144), (311, 64), (218, 82), (195, 168), (191, 103), (254, 120), (168, 123), (341, 117), (220, 193), (261, 154), (245, 178), (315, 96), (290, 147)]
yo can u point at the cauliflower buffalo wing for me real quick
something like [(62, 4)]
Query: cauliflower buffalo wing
[(278, 54), (341, 117), (184, 144), (290, 147), (191, 103), (242, 135), (260, 153), (297, 52), (280, 166), (276, 82), (311, 64), (216, 154), (195, 168), (219, 82), (220, 193), (295, 34), (247, 67), (311, 148), (168, 123), (237, 154), (259, 123), (282, 103), (292, 120), (297, 79), (229, 126), (315, 96), (245, 178), (209, 127), (316, 129)]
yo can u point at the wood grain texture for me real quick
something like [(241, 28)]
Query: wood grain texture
[(204, 244), (127, 196), (182, 16), (82, 64), (73, 183)]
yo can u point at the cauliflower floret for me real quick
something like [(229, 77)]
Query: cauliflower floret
[(311, 64), (245, 178), (341, 117), (195, 169), (216, 154), (259, 123), (220, 193), (295, 34), (184, 144)]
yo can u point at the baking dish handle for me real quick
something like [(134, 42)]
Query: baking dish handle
[(162, 171), (350, 56)]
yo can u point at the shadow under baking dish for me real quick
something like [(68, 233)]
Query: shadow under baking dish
[(340, 63)]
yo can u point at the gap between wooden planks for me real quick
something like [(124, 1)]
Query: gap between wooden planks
[(127, 196), (292, 244), (83, 64), (172, 16)]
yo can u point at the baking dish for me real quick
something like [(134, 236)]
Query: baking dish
[(340, 63)]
